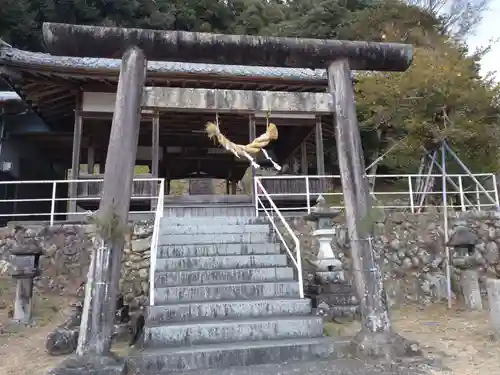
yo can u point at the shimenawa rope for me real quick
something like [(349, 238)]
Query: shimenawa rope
[(253, 148)]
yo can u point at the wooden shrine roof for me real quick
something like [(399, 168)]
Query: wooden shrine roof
[(51, 84)]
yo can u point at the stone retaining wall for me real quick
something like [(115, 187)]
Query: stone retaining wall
[(67, 257), (410, 248)]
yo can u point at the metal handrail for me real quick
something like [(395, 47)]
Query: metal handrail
[(53, 199), (296, 262), (410, 196), (154, 241)]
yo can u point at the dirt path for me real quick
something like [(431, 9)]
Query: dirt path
[(465, 337), (24, 353)]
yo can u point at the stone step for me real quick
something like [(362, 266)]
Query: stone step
[(219, 276), (221, 262), (199, 357), (210, 228), (214, 220), (218, 331), (218, 238), (339, 299), (200, 250), (182, 312), (224, 292), (207, 211)]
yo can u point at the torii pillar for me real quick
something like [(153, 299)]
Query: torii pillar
[(376, 339)]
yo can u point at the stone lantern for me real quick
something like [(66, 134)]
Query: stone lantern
[(331, 294), (26, 261), (323, 216), (463, 243)]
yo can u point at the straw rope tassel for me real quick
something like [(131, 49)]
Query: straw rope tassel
[(253, 148)]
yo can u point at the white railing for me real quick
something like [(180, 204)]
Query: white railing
[(297, 259), (154, 242), (398, 192), (52, 198)]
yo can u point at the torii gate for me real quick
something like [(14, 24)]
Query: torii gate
[(338, 58)]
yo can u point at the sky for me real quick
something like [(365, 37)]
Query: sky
[(489, 30)]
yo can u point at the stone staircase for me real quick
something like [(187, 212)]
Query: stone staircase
[(225, 296)]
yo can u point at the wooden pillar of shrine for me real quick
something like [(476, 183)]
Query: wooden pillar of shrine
[(75, 157), (155, 156), (304, 164)]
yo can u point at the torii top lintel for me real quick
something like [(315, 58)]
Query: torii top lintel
[(182, 46)]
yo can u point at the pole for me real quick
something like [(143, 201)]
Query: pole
[(495, 187), (462, 202), (75, 157), (112, 217), (425, 187), (53, 203), (445, 225), (355, 187), (421, 168)]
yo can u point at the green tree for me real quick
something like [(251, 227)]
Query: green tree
[(439, 97), (316, 18)]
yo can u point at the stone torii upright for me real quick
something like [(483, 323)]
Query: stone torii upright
[(338, 58)]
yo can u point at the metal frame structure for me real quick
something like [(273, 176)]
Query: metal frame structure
[(444, 149), (436, 159)]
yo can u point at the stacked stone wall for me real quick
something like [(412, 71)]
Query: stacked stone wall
[(409, 248)]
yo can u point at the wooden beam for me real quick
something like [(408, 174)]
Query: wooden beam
[(320, 152), (75, 157), (50, 90), (155, 145), (90, 159), (252, 134), (237, 100), (103, 284), (155, 154), (175, 98), (59, 99), (228, 81), (189, 120), (108, 116), (304, 165), (355, 187)]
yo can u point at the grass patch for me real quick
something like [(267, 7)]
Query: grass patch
[(331, 329)]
